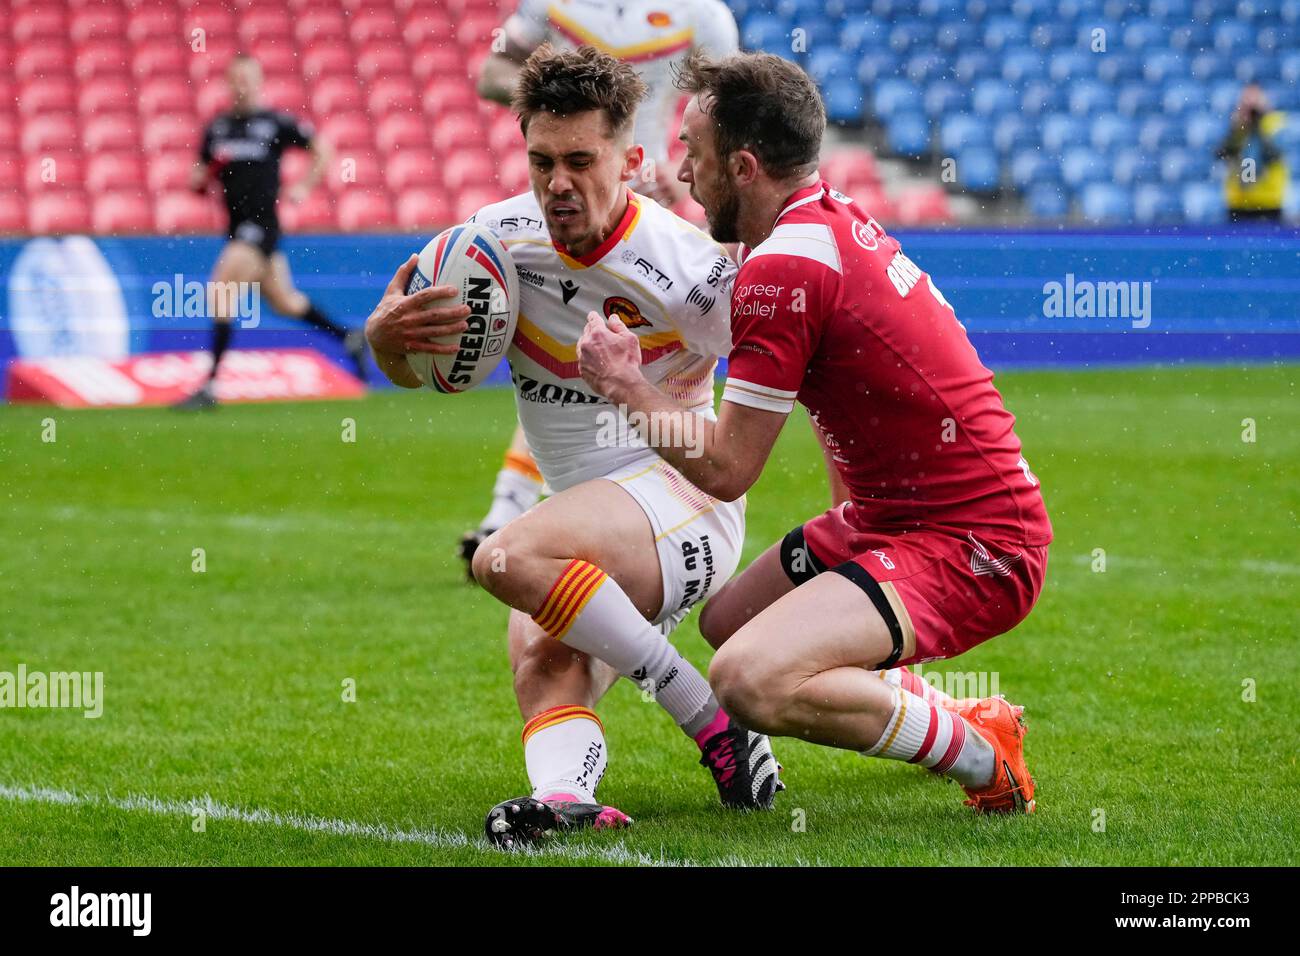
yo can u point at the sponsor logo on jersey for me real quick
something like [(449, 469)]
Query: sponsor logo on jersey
[(531, 277), (568, 289), (697, 298), (649, 270), (866, 237), (693, 555), (548, 393), (716, 271), (627, 310), (511, 223), (903, 273)]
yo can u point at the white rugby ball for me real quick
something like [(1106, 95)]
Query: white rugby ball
[(473, 260)]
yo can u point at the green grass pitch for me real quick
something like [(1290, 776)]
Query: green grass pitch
[(1160, 692)]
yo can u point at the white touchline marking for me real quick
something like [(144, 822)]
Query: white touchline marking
[(438, 839)]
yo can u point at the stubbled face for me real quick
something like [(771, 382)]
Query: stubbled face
[(702, 168), (245, 79), (578, 174)]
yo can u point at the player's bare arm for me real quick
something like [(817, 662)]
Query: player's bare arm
[(403, 323), (723, 459)]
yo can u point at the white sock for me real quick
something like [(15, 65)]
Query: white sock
[(924, 733), (565, 753), (512, 495), (591, 613), (905, 678)]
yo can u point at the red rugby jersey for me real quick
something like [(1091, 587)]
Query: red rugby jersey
[(830, 312)]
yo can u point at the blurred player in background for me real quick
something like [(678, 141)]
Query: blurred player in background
[(654, 37), (1257, 177), (601, 572), (241, 149), (942, 543)]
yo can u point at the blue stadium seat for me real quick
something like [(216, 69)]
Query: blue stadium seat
[(1089, 96), (1103, 202), (844, 101), (925, 66), (1047, 36), (1002, 32), (878, 66), (1043, 97), (829, 63), (1060, 131), (956, 35), (1020, 66), (1179, 166), (1156, 204), (1081, 165), (864, 35), (1111, 131), (1033, 168), (766, 31), (1137, 99), (1066, 65), (893, 97), (1232, 36), (945, 96), (941, 9), (994, 98), (1159, 133), (1141, 34), (911, 34), (1135, 166), (1161, 66), (962, 130), (1191, 36), (1097, 30), (973, 65), (1121, 66), (1257, 68), (1203, 204), (978, 170), (1013, 136), (1289, 67), (1206, 130), (1209, 67), (1047, 201), (1224, 95), (908, 134), (1180, 98), (1170, 10)]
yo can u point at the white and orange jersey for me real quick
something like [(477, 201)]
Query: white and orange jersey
[(652, 35), (670, 284)]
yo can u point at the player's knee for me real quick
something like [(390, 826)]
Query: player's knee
[(743, 688), (490, 564)]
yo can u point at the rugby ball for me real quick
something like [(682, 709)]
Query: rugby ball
[(473, 260)]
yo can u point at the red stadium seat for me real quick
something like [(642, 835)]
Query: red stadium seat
[(213, 61), (161, 96), (423, 209), (401, 130), (256, 26), (328, 59), (275, 58), (392, 95), (439, 59), (37, 62), (367, 26), (512, 172), (103, 58), (504, 135), (427, 26), (441, 97), (55, 94), (382, 59), (122, 212), (170, 171), (181, 212), (8, 133), (13, 213), (457, 129), (472, 200), (113, 171), (213, 97), (107, 96), (335, 94), (58, 212), (363, 209), (289, 96), (170, 133), (57, 171), (113, 132), (39, 25), (353, 171), (50, 134), (96, 23), (474, 31), (294, 165), (348, 131), (850, 164), (11, 169), (468, 168), (314, 214), (317, 25), (157, 60), (163, 24), (923, 204), (411, 168)]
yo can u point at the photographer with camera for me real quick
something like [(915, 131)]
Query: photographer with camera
[(1257, 176)]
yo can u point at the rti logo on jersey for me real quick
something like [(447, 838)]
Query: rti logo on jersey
[(626, 310), (568, 289)]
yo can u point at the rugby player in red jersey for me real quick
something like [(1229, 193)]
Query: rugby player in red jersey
[(942, 541)]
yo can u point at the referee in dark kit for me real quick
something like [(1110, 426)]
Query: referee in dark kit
[(241, 150)]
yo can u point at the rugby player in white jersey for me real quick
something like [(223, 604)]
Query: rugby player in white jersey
[(599, 573), (655, 38)]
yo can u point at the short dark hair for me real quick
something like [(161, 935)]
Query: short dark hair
[(564, 82), (761, 103)]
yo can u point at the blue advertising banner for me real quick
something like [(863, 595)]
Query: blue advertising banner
[(1040, 298)]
